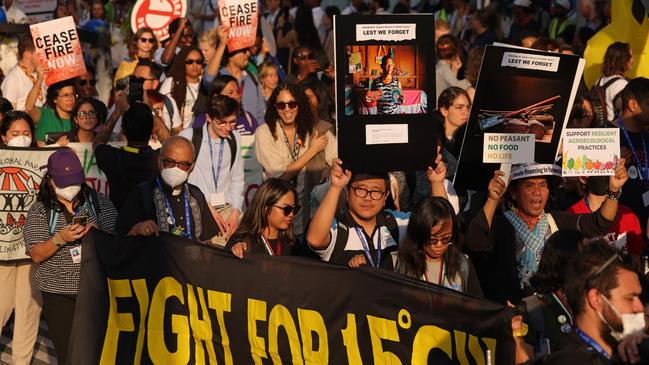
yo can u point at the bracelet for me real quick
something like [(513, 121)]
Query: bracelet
[(57, 242), (614, 195), (522, 332)]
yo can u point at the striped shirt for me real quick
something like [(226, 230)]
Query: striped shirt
[(59, 274), (386, 104)]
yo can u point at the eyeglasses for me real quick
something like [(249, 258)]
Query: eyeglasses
[(86, 82), (282, 105), (287, 209), (308, 56), (168, 163), (434, 241), (362, 193), (222, 123), (88, 114), (191, 62), (68, 96), (150, 40)]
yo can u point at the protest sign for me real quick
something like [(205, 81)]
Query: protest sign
[(385, 88), (165, 300), (252, 169), (241, 17), (590, 151), (518, 91), (95, 178), (157, 15), (58, 49), (508, 148), (21, 172)]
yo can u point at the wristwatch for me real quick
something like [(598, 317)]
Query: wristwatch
[(613, 195), (57, 242)]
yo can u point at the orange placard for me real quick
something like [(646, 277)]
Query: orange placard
[(58, 49), (241, 17)]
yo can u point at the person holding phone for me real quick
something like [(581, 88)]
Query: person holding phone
[(52, 119), (65, 210)]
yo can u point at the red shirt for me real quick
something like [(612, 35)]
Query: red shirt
[(628, 223)]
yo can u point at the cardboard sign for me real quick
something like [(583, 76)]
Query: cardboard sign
[(508, 148), (590, 151), (157, 15), (241, 17), (58, 49)]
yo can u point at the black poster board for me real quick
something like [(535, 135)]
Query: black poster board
[(519, 90), (384, 126)]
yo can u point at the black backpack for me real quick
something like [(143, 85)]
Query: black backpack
[(197, 138), (597, 96)]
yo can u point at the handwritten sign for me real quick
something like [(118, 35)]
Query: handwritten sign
[(241, 17), (508, 148), (58, 49), (590, 151)]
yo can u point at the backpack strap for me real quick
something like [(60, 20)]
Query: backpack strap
[(170, 108), (341, 236), (391, 224), (232, 142), (611, 82), (197, 139)]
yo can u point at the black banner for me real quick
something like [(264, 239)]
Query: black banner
[(169, 301)]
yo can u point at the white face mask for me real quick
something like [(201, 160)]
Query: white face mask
[(68, 193), (20, 141), (631, 322), (174, 176)]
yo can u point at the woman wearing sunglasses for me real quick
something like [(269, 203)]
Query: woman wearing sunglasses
[(292, 146), (267, 224), (431, 250), (143, 45)]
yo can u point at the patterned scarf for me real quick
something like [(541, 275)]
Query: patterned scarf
[(33, 80), (530, 242), (161, 213)]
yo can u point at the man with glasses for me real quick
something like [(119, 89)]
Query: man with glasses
[(603, 292), (362, 226), (219, 173), (168, 203), (181, 35)]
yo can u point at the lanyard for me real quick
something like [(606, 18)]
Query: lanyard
[(366, 248), (295, 151), (563, 307), (644, 169), (215, 175), (170, 214), (592, 343), (587, 203), (441, 274), (269, 249)]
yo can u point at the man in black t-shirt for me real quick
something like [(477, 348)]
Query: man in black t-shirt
[(128, 166)]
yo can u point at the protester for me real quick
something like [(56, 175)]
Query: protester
[(84, 122), (618, 60), (454, 106), (562, 27), (294, 146), (14, 14), (5, 107), (53, 119), (304, 65), (227, 85), (19, 291), (184, 84), (143, 45), (168, 203), (523, 13), (322, 104), (219, 170), (266, 226), (582, 113), (65, 210), (448, 65), (268, 78), (604, 295), (181, 35), (20, 80), (514, 239)]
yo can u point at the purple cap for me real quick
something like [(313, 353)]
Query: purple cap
[(65, 168)]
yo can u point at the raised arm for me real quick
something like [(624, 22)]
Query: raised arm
[(30, 103), (615, 183), (214, 63), (437, 176), (121, 106), (170, 50), (496, 189)]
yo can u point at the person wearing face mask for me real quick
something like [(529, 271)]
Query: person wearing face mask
[(65, 210), (17, 129), (603, 291), (168, 203)]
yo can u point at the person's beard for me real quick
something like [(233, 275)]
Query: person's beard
[(613, 321)]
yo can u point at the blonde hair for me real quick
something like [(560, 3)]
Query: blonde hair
[(264, 69), (210, 36)]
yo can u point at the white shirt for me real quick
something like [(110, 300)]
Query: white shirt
[(15, 15), (17, 85), (611, 93), (230, 180), (190, 99), (349, 10)]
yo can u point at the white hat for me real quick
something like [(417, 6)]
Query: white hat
[(564, 3), (525, 170), (523, 3)]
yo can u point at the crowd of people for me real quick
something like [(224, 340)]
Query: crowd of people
[(567, 253)]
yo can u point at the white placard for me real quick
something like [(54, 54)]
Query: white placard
[(590, 151), (386, 32), (508, 148), (386, 133), (530, 61)]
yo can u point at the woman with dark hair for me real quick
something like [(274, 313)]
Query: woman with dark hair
[(65, 210), (322, 104), (5, 106), (52, 119), (294, 146), (304, 32), (84, 121), (454, 106), (484, 28), (581, 115), (227, 85), (17, 129), (472, 69), (390, 97), (267, 224), (448, 64), (618, 60), (184, 82), (432, 249)]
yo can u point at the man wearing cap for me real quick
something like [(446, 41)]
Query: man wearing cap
[(512, 242), (64, 211), (562, 27), (362, 227), (168, 203)]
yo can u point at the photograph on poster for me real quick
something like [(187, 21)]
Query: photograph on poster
[(385, 79)]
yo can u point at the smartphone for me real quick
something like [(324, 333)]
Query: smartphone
[(81, 220), (51, 138), (135, 89)]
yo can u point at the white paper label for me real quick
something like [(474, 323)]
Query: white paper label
[(386, 32), (386, 133), (531, 61), (508, 148), (75, 253)]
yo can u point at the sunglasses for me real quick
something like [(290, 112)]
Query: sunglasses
[(191, 62), (168, 163), (150, 40), (282, 105), (287, 209), (86, 82), (433, 241), (308, 56), (88, 114)]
